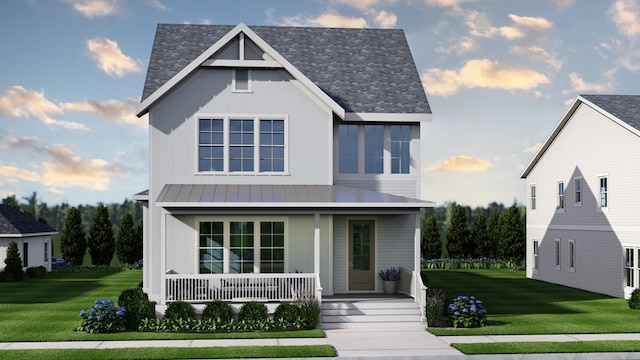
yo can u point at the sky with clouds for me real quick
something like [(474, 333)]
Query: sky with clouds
[(499, 74)]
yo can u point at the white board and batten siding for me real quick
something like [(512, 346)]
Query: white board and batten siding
[(589, 146), (394, 240)]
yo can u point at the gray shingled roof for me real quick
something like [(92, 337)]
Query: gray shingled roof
[(15, 222), (363, 70), (624, 107)]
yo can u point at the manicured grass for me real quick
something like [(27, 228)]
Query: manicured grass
[(549, 347), (231, 352), (520, 306), (47, 309)]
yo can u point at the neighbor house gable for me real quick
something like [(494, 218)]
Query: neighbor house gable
[(15, 223)]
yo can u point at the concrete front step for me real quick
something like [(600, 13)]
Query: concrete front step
[(369, 318), (343, 312), (374, 325), (371, 313), (362, 305)]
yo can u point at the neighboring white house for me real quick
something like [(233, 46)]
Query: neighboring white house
[(583, 186), (284, 161), (32, 237)]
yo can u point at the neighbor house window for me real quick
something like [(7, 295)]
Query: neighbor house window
[(536, 263), (242, 145), (629, 267), (578, 191), (241, 80), (604, 201), (532, 197), (373, 149), (242, 246), (25, 254), (560, 205), (572, 255), (400, 154), (348, 149), (557, 253), (46, 252)]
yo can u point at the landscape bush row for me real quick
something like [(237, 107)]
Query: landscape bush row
[(477, 263), (134, 312), (461, 311)]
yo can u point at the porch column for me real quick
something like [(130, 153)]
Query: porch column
[(416, 244), (163, 254), (316, 244)]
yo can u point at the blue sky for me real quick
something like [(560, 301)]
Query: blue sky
[(499, 74)]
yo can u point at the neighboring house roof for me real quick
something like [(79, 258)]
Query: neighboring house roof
[(280, 196), (622, 109), (361, 70), (15, 223)]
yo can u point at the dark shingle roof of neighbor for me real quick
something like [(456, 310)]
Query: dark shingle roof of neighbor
[(363, 70), (15, 222), (624, 107)]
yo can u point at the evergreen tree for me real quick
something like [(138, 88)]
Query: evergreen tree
[(101, 241), (13, 264), (480, 235), (458, 234), (431, 242), (128, 248), (493, 232), (512, 235), (73, 243)]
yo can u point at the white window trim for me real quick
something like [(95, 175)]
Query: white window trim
[(535, 267), (564, 196), (234, 89), (635, 269), (557, 254), (601, 208), (533, 209), (256, 144), (572, 255), (227, 220), (575, 191)]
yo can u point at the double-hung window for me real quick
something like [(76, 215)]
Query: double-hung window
[(242, 144), (572, 255), (557, 253), (604, 200), (536, 263), (348, 149), (630, 267), (374, 149), (400, 154), (578, 191), (532, 197), (560, 205)]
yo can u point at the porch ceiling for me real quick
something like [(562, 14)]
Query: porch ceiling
[(280, 196)]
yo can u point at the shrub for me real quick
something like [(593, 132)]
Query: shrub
[(467, 311), (102, 317), (435, 307), (13, 264), (179, 310), (138, 307), (218, 311), (634, 300), (309, 311), (253, 311), (287, 313), (36, 272)]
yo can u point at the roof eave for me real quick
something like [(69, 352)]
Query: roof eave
[(325, 205), (388, 117), (24, 235)]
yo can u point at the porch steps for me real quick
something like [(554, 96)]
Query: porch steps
[(365, 312)]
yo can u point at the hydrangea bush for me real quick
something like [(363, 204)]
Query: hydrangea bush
[(467, 311), (103, 316)]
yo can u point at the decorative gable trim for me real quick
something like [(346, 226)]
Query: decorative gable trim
[(204, 60)]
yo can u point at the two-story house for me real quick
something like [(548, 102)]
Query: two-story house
[(284, 162), (583, 188)]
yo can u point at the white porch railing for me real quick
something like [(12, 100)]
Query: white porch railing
[(201, 288), (411, 284)]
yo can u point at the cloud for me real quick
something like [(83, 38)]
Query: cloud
[(61, 167), (534, 23), (461, 163), (110, 58), (446, 3), (11, 173), (96, 8), (564, 4), (158, 5), (579, 85), (626, 15), (360, 4), (533, 148), (20, 102), (480, 25), (461, 46), (538, 54), (386, 19), (327, 19), (119, 111), (481, 73)]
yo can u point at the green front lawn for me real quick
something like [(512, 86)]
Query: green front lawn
[(549, 347), (520, 306), (47, 309)]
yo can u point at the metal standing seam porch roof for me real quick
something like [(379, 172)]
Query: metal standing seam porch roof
[(280, 196)]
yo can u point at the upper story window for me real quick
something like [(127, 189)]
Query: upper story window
[(348, 145), (604, 200), (560, 205), (241, 80), (532, 197), (242, 145), (374, 149), (578, 191), (400, 155)]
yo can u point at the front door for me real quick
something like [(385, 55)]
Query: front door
[(362, 255)]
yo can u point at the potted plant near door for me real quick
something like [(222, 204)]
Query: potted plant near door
[(390, 279)]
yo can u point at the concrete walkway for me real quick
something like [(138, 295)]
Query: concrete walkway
[(400, 343)]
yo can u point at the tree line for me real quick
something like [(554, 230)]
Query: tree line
[(457, 231), (90, 228)]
